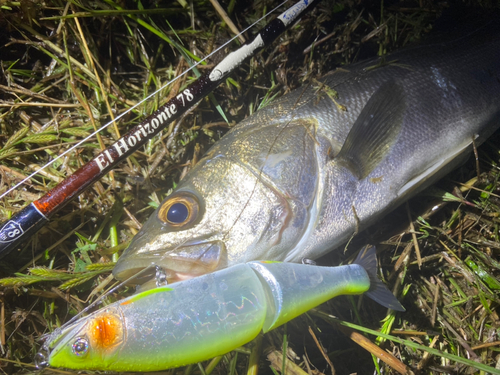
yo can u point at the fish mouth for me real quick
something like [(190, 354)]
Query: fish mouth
[(190, 260)]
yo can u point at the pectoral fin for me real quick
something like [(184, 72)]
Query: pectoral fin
[(375, 130)]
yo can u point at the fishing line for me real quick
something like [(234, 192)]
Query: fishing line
[(140, 102), (122, 283), (31, 218)]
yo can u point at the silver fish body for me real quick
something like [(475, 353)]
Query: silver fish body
[(299, 177)]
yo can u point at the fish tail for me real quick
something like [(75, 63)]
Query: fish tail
[(378, 292)]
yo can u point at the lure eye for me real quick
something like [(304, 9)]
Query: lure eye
[(80, 347), (179, 210)]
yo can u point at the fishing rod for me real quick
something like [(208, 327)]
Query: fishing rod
[(30, 219)]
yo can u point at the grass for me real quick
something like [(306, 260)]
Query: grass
[(70, 67)]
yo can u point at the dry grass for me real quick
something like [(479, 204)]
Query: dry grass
[(68, 68)]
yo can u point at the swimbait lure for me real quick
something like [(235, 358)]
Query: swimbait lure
[(200, 318)]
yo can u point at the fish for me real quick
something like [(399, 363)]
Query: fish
[(203, 317), (301, 176)]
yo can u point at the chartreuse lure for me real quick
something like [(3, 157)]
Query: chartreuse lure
[(200, 318)]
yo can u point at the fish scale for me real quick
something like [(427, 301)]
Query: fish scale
[(302, 175)]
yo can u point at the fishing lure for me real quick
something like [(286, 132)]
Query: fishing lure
[(210, 315)]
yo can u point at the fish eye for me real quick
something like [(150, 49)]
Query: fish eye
[(179, 210), (177, 213), (80, 347)]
